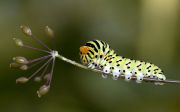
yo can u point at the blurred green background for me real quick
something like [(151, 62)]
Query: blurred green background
[(139, 29)]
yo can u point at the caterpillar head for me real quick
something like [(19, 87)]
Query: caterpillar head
[(92, 50), (85, 55)]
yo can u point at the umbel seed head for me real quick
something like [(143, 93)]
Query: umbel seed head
[(45, 71), (18, 42), (26, 30)]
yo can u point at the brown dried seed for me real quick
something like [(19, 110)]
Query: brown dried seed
[(26, 30)]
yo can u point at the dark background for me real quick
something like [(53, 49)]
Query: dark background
[(141, 29)]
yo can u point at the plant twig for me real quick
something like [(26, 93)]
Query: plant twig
[(121, 76)]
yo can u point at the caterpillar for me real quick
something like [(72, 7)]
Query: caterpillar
[(97, 54)]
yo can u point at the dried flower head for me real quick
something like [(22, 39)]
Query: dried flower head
[(45, 71)]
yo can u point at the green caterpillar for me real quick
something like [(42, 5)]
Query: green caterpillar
[(98, 54)]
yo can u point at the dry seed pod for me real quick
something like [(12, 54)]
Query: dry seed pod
[(18, 42), (22, 80), (37, 79), (47, 76), (20, 60), (49, 32), (24, 67), (43, 90), (26, 30), (14, 65)]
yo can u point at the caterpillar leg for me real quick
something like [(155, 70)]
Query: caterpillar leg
[(128, 75), (139, 77), (116, 73), (160, 77), (106, 69), (93, 65)]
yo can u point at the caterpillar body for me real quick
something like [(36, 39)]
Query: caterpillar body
[(97, 54)]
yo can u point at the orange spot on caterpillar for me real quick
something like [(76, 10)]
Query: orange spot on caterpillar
[(84, 49)]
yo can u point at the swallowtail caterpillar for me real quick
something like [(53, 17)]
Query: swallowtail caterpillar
[(97, 54)]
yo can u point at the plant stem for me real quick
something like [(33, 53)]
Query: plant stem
[(121, 76)]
